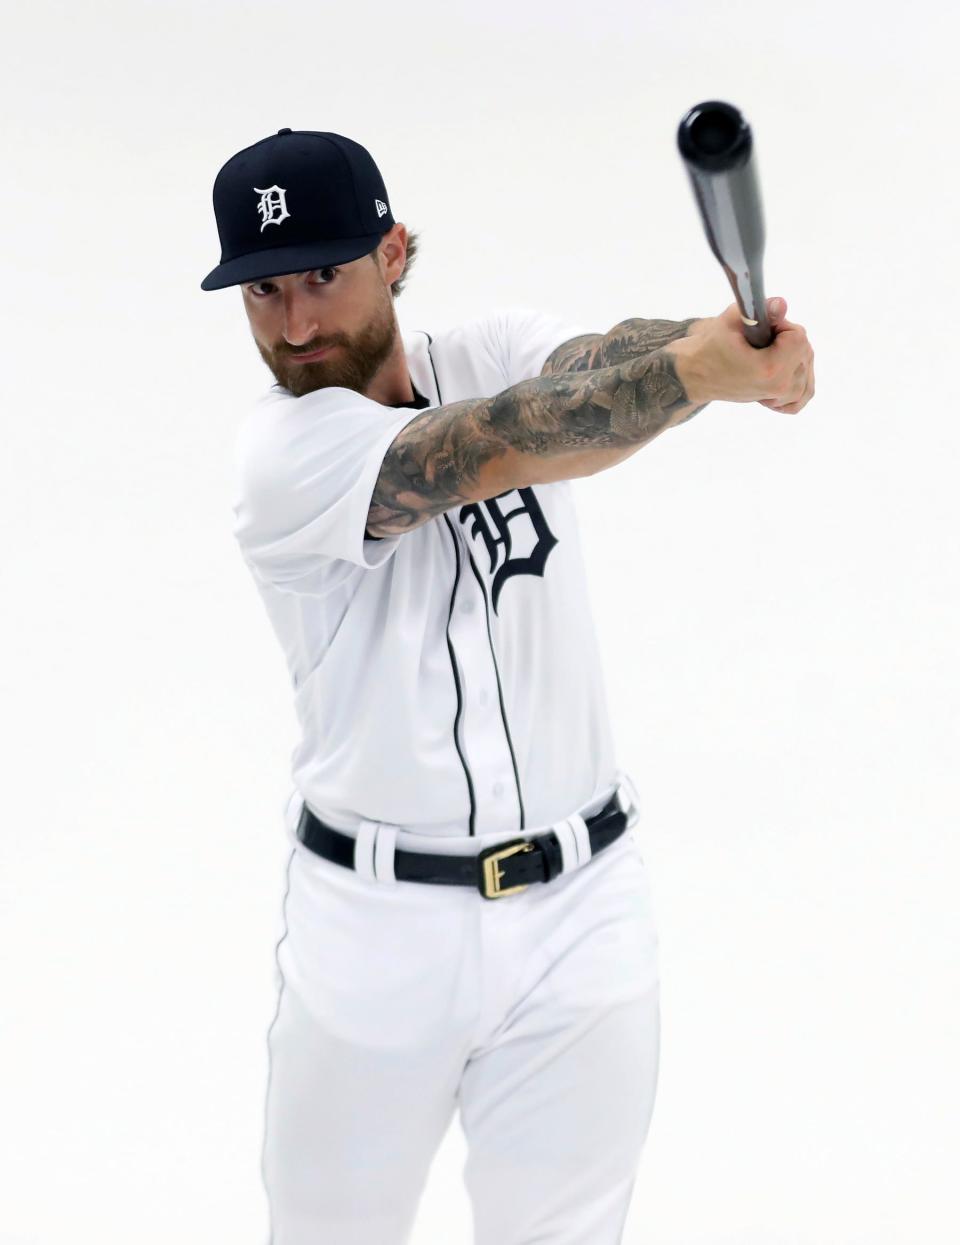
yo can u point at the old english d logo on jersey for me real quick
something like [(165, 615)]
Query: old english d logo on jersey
[(507, 529), (272, 206)]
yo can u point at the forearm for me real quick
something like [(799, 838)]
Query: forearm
[(632, 339), (552, 427), (615, 407)]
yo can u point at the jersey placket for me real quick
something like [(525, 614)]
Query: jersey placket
[(483, 735)]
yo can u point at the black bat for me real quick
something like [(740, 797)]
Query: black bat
[(717, 148)]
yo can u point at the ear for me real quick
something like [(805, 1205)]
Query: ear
[(392, 252)]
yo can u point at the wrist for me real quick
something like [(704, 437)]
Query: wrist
[(688, 363)]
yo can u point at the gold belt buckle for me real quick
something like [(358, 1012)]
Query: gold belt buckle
[(492, 874)]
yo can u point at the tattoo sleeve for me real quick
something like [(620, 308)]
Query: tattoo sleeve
[(438, 459), (630, 339)]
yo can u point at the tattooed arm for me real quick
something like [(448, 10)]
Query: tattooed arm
[(630, 339), (554, 427)]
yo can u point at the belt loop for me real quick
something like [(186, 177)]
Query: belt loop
[(628, 798), (582, 835), (363, 849), (383, 853), (568, 844), (373, 854)]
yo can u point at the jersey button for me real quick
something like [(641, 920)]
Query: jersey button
[(468, 607), (498, 789), (484, 696)]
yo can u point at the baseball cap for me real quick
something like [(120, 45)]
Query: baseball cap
[(294, 201)]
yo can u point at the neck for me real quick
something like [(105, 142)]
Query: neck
[(392, 385)]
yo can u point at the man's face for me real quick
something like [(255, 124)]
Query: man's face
[(348, 308)]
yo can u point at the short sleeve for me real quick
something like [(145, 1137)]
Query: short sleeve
[(305, 471), (528, 337)]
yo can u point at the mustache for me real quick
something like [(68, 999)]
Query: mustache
[(296, 354)]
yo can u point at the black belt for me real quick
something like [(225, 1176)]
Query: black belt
[(499, 870)]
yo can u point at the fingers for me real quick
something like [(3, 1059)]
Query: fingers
[(801, 389), (796, 393), (777, 311), (784, 366), (790, 408)]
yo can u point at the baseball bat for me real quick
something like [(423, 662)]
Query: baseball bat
[(716, 147)]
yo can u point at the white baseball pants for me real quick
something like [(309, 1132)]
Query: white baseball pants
[(535, 1015)]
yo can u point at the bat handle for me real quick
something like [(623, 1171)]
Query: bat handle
[(758, 332)]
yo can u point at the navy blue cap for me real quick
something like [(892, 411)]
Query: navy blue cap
[(298, 200)]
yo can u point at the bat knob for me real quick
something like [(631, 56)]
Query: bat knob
[(714, 137)]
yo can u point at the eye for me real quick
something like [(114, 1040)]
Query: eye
[(262, 293)]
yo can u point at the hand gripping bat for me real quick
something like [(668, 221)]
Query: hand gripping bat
[(716, 147)]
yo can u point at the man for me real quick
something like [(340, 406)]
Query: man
[(467, 918)]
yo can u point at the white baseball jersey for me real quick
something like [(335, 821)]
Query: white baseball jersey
[(447, 680)]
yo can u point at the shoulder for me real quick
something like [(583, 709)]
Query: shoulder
[(283, 438), (513, 341), (278, 413)]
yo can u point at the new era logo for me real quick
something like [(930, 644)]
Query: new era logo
[(382, 208)]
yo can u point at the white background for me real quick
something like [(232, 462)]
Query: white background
[(777, 596)]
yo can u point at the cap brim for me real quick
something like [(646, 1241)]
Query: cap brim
[(280, 261)]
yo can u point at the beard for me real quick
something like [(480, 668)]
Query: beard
[(354, 363)]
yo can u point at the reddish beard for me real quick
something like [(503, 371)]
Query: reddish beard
[(353, 365)]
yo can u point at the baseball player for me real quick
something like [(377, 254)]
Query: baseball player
[(467, 922)]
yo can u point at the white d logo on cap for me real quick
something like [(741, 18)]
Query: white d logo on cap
[(272, 206)]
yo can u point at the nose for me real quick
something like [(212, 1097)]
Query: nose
[(299, 317)]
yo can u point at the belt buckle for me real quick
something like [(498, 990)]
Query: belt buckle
[(490, 872)]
